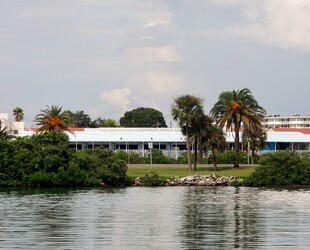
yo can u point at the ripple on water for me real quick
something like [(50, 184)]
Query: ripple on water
[(155, 218)]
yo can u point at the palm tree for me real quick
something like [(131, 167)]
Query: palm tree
[(3, 132), (198, 130), (52, 119), (215, 141), (184, 110), (237, 108), (254, 139), (18, 113)]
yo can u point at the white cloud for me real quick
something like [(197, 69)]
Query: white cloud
[(117, 98), (153, 55), (158, 83), (163, 20), (282, 23)]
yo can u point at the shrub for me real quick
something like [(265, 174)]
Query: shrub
[(229, 156), (152, 179), (40, 179), (281, 168)]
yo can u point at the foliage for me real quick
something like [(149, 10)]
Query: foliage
[(253, 140), (157, 157), (281, 168), (215, 141), (152, 180), (52, 119), (185, 110), (143, 117), (228, 157), (110, 123), (18, 113), (103, 164), (237, 108), (78, 119), (46, 160), (3, 132)]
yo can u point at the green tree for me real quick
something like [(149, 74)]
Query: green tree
[(254, 139), (52, 119), (196, 132), (110, 123), (215, 141), (97, 123), (237, 108), (143, 117), (18, 113), (184, 110), (79, 119)]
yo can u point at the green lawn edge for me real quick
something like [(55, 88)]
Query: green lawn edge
[(172, 171)]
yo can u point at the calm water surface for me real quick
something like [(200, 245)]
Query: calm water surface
[(155, 218)]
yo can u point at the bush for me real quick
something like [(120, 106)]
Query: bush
[(152, 180), (40, 179), (229, 157), (281, 168)]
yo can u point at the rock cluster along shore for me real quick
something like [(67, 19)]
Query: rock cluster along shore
[(199, 180)]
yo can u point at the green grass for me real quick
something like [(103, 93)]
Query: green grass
[(171, 171)]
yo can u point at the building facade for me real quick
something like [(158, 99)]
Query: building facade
[(170, 140), (295, 121)]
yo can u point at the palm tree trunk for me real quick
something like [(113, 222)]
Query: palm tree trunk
[(252, 160), (201, 154), (188, 150), (195, 153), (214, 160), (236, 145)]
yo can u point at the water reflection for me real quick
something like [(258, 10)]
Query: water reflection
[(154, 218)]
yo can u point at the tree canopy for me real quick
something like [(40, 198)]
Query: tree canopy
[(185, 110), (18, 113), (235, 109), (143, 117), (51, 119)]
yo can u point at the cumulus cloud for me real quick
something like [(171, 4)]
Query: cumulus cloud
[(117, 98), (281, 23), (153, 55)]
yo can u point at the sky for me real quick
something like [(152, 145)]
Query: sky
[(106, 57)]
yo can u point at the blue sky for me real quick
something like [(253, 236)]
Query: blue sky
[(108, 57)]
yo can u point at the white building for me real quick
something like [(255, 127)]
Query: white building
[(11, 127), (295, 121), (170, 140)]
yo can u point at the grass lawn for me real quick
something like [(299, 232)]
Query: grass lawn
[(170, 171)]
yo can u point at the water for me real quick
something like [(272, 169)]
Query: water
[(155, 218)]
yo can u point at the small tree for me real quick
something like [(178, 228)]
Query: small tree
[(3, 132), (143, 117), (215, 141), (18, 113), (52, 119), (253, 140)]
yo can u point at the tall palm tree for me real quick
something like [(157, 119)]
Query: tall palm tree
[(18, 113), (184, 110), (52, 119), (254, 139), (237, 108)]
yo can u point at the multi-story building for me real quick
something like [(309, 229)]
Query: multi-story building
[(295, 121)]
